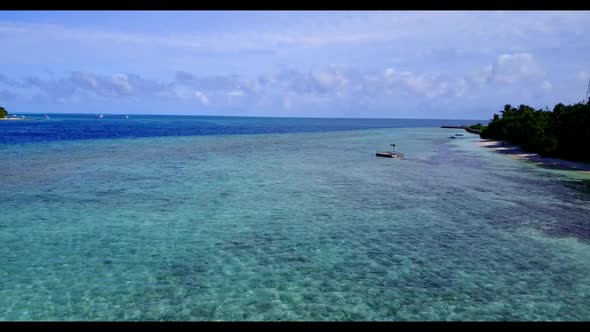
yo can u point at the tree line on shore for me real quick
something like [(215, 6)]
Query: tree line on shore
[(3, 112), (563, 132)]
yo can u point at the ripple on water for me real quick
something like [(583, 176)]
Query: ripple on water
[(233, 228)]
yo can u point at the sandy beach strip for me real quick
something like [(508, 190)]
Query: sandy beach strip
[(516, 152)]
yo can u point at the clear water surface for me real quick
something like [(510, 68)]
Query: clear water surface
[(203, 218)]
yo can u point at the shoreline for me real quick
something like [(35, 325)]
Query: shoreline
[(516, 152)]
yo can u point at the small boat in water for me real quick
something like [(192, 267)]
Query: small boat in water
[(458, 134), (390, 154), (46, 117), (452, 137), (100, 116)]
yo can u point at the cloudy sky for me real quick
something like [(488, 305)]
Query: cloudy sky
[(425, 64)]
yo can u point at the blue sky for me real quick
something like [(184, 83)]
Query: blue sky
[(392, 64)]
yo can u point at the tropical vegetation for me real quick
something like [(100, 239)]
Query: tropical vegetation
[(563, 132)]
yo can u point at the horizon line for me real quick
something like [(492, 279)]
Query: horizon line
[(250, 116)]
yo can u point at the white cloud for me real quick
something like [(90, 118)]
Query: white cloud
[(295, 89), (430, 85), (318, 86), (330, 79), (121, 83), (389, 73), (510, 68), (201, 97)]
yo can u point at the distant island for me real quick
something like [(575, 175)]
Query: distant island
[(561, 133), (4, 115)]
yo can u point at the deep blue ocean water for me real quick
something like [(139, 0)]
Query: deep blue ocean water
[(151, 218), (87, 126)]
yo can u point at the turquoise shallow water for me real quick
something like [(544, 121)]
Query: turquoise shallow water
[(294, 226)]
